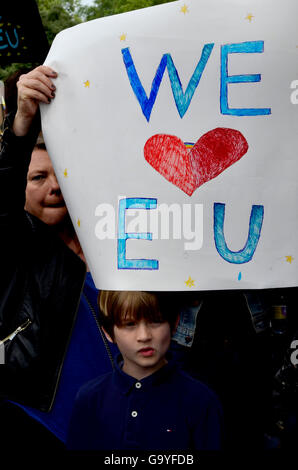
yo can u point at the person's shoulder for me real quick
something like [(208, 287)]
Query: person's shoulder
[(95, 386), (195, 388)]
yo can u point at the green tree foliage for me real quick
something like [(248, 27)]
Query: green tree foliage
[(112, 7), (57, 15)]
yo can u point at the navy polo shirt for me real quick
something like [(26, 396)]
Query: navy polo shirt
[(167, 410)]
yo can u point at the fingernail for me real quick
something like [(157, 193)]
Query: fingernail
[(53, 95)]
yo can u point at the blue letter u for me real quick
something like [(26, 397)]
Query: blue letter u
[(254, 233)]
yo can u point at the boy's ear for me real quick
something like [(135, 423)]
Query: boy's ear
[(109, 338)]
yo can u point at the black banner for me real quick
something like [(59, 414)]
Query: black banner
[(22, 36)]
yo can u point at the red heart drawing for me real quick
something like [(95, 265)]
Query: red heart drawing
[(213, 153)]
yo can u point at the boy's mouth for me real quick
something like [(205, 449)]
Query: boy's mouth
[(146, 352)]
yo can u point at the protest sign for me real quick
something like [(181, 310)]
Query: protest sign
[(22, 36), (173, 135)]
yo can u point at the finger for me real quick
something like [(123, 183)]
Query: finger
[(44, 69), (36, 76), (35, 95), (33, 84), (41, 71)]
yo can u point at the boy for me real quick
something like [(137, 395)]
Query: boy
[(146, 403)]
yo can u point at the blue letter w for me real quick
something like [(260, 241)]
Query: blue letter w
[(182, 99), (145, 102)]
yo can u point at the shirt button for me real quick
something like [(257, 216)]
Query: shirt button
[(134, 414), (138, 385)]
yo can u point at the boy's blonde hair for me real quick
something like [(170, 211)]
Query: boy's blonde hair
[(117, 306)]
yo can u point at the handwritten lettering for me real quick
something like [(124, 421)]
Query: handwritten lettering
[(123, 236), (235, 257), (8, 39), (254, 232), (183, 100)]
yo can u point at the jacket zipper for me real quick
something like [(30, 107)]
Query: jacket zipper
[(18, 330), (66, 349)]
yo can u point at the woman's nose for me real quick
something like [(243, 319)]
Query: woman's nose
[(54, 186)]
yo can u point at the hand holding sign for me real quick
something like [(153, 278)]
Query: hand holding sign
[(33, 88)]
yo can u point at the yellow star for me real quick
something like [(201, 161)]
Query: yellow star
[(79, 223), (190, 282), (87, 84), (123, 37), (289, 259), (184, 9), (249, 17), (65, 173)]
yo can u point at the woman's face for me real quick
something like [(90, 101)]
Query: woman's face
[(43, 195)]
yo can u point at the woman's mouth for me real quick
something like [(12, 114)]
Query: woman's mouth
[(146, 352), (56, 205)]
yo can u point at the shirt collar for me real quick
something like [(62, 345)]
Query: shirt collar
[(126, 383)]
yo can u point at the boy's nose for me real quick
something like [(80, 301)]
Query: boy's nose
[(144, 332)]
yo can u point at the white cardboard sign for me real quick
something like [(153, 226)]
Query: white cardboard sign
[(174, 138)]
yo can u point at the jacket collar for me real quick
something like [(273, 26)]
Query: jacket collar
[(125, 383)]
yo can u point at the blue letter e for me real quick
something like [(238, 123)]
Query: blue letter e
[(123, 263), (226, 79)]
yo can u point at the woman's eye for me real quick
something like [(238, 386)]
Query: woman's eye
[(38, 177)]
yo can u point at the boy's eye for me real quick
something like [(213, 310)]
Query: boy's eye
[(129, 323), (156, 324)]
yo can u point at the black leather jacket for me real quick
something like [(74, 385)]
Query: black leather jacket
[(40, 286)]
